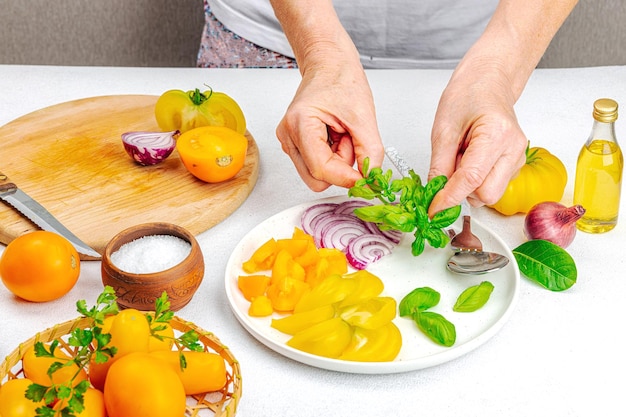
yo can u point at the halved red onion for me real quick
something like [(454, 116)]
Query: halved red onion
[(368, 248), (149, 148)]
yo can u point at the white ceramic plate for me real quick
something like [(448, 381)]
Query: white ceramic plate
[(401, 272)]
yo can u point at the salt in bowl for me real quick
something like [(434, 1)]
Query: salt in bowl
[(137, 283)]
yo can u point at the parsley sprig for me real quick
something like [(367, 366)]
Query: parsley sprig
[(406, 202), (91, 343)]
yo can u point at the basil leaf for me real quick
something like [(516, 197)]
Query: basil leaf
[(473, 297), (547, 264), (375, 213), (436, 327), (418, 245), (436, 238), (419, 299), (446, 217), (431, 188)]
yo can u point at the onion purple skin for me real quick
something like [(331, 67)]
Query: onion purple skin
[(149, 148), (553, 222)]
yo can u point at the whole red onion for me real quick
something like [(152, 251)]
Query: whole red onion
[(553, 222)]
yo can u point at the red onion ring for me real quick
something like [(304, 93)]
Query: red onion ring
[(337, 230), (334, 225), (368, 248), (313, 214)]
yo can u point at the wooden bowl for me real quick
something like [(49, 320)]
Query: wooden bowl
[(140, 290)]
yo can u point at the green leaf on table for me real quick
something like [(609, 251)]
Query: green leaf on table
[(473, 297), (419, 299), (436, 327), (547, 264)]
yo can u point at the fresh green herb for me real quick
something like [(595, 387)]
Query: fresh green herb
[(436, 327), (547, 264), (88, 342), (91, 342), (162, 316), (473, 297), (420, 299), (410, 213), (432, 324)]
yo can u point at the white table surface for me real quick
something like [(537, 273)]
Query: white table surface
[(560, 354)]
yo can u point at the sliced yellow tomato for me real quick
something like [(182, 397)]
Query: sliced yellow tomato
[(374, 345), (328, 338)]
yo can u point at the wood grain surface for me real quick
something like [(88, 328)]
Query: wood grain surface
[(70, 158)]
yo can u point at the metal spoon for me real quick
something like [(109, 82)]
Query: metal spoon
[(468, 257)]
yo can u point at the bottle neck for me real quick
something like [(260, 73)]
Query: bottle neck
[(603, 131)]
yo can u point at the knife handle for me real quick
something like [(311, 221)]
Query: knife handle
[(6, 186)]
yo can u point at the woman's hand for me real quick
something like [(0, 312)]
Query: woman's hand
[(330, 125), (476, 140)]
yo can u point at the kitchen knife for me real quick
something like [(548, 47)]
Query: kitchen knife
[(34, 211)]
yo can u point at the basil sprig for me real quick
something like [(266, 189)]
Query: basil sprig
[(409, 213)]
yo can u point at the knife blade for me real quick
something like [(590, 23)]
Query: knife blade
[(31, 209)]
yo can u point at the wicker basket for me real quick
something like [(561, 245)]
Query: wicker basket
[(219, 403)]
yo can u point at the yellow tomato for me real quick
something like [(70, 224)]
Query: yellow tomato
[(39, 266), (542, 178), (93, 404), (130, 332), (212, 154), (36, 368), (141, 385), (205, 371), (13, 402), (186, 110), (154, 343)]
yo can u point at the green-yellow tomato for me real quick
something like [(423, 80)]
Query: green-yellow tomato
[(186, 110)]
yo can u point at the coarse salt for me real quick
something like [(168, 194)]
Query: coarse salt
[(153, 253)]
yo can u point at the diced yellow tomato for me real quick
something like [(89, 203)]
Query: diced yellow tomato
[(297, 322), (285, 266), (261, 306), (337, 261), (284, 293), (328, 338), (370, 314), (309, 257), (295, 247), (252, 286), (374, 345), (262, 259)]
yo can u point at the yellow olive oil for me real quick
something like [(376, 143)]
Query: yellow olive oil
[(598, 185), (599, 172)]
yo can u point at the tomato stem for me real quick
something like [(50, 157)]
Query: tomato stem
[(531, 156), (197, 97)]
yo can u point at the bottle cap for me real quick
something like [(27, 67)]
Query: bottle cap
[(605, 110)]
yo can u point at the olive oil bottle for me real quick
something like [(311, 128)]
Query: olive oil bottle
[(599, 172)]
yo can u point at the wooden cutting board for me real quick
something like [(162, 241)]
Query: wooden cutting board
[(70, 158)]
